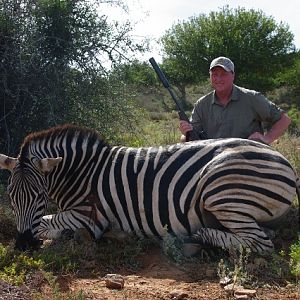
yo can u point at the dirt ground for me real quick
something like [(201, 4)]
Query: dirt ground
[(157, 277)]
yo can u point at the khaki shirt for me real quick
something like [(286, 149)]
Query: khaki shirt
[(242, 116)]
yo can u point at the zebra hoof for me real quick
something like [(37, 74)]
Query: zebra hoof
[(191, 249)]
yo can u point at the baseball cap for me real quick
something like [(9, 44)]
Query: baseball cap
[(223, 62)]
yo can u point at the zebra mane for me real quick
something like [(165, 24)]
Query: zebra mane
[(66, 130)]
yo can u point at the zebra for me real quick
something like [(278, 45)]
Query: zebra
[(217, 193)]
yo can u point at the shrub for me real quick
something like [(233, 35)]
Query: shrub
[(295, 259), (15, 266)]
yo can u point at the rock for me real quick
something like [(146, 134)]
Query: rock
[(233, 287), (114, 281), (289, 285), (240, 297), (225, 281), (247, 292), (178, 295)]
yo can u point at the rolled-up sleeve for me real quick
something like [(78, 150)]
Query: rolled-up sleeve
[(266, 110)]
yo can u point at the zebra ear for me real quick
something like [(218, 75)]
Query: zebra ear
[(7, 162), (47, 164)]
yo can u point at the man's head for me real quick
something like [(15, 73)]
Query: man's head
[(222, 62), (222, 74)]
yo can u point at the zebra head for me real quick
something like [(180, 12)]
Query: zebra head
[(27, 190)]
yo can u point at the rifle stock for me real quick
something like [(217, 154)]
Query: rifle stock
[(190, 135)]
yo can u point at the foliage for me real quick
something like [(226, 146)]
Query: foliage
[(295, 258), (258, 46), (279, 265), (65, 262), (67, 256), (294, 114), (291, 76), (235, 267), (53, 57), (154, 133), (173, 248), (15, 266), (7, 222), (135, 73)]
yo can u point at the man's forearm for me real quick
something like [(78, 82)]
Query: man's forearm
[(278, 129)]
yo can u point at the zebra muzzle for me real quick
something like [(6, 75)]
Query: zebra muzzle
[(26, 241)]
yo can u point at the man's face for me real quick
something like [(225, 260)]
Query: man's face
[(221, 80)]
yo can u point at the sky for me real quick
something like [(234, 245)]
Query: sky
[(153, 17)]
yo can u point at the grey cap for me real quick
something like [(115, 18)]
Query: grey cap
[(222, 62)]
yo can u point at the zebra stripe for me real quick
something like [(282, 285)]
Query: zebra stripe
[(191, 190)]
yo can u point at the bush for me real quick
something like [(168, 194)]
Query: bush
[(15, 266), (295, 259), (294, 114)]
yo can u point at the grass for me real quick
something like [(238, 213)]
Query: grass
[(295, 259), (67, 258), (14, 266), (289, 147)]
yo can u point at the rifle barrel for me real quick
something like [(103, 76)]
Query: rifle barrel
[(191, 135)]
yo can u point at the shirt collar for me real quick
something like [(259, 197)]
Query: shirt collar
[(233, 96)]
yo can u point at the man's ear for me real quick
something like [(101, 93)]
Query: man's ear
[(7, 162), (47, 164)]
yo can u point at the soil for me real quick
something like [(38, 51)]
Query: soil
[(158, 277)]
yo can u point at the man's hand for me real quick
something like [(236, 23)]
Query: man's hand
[(257, 136), (275, 132), (185, 127)]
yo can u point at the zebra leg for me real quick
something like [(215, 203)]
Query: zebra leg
[(81, 218), (242, 230)]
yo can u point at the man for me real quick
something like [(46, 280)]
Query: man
[(232, 111)]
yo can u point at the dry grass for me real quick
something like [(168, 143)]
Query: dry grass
[(289, 146)]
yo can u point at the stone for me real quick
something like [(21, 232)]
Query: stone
[(240, 297), (248, 292), (225, 281), (178, 295), (114, 281)]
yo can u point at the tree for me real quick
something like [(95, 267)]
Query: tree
[(291, 77), (52, 68), (135, 73), (257, 45)]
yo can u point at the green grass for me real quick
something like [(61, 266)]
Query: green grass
[(14, 266), (295, 259)]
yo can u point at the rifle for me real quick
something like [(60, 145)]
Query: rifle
[(190, 135)]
